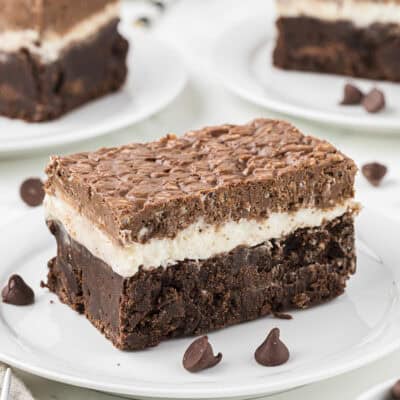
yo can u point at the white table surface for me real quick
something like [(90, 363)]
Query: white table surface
[(192, 27)]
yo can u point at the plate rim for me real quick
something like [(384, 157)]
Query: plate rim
[(144, 389), (389, 125), (87, 132)]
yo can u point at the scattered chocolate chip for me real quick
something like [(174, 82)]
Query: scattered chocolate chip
[(352, 95), (282, 315), (17, 292), (272, 351), (142, 22), (374, 101), (51, 302), (32, 192), (374, 172), (159, 4), (396, 391), (199, 355)]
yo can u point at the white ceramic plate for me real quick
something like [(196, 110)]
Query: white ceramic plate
[(243, 61), (156, 76), (53, 341)]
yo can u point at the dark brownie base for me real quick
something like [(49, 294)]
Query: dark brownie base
[(305, 268), (34, 91), (309, 44)]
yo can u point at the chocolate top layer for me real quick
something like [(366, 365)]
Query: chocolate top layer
[(61, 15), (139, 191), (47, 15), (19, 14)]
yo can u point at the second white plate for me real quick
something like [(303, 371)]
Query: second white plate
[(243, 61), (156, 76), (53, 341)]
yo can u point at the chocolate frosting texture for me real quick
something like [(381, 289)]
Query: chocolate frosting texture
[(19, 14), (138, 191)]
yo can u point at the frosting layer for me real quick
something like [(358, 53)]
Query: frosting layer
[(361, 12), (199, 241), (219, 173)]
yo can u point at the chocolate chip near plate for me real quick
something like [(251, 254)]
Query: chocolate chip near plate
[(395, 391), (374, 101), (142, 22), (352, 95), (159, 4), (17, 292), (374, 172), (280, 315), (32, 192), (273, 351), (199, 355)]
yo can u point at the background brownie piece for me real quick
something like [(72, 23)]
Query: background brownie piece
[(37, 92), (47, 16), (51, 62), (321, 36)]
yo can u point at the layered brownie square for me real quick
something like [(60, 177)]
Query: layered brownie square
[(359, 38), (56, 55), (190, 234)]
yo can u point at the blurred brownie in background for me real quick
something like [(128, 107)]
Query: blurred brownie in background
[(56, 55), (359, 38)]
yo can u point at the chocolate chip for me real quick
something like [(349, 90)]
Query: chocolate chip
[(352, 95), (142, 22), (199, 355), (374, 172), (280, 315), (159, 4), (17, 292), (396, 391), (32, 192), (374, 101), (272, 351)]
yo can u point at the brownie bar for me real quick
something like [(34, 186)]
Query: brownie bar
[(192, 297), (186, 235), (309, 44), (38, 91), (138, 192)]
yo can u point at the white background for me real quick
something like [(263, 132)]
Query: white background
[(192, 26)]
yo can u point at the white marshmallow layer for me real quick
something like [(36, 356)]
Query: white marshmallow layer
[(199, 241), (361, 12)]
